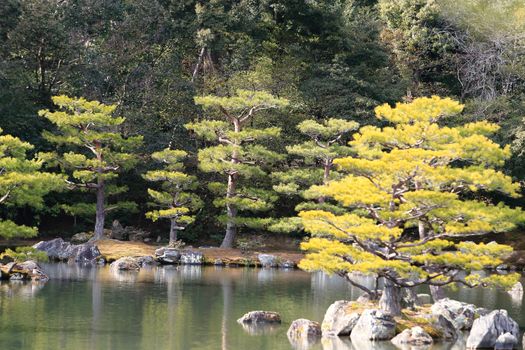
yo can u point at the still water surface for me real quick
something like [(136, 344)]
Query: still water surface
[(188, 307)]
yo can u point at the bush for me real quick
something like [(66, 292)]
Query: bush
[(21, 254)]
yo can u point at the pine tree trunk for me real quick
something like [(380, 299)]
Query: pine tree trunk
[(231, 227), (326, 175), (100, 210), (390, 301), (173, 231)]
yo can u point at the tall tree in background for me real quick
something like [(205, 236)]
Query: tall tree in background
[(315, 164), (22, 183), (415, 174), (98, 151), (175, 200), (239, 156)]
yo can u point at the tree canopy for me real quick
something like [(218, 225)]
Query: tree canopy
[(416, 174)]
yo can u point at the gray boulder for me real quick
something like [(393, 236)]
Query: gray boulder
[(414, 336), (445, 327), (303, 332), (81, 237), (118, 232), (459, 313), (339, 319), (487, 329), (126, 263), (167, 255), (287, 264), (190, 257), (260, 317), (374, 325), (267, 260), (506, 341), (57, 249)]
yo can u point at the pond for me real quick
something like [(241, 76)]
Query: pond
[(186, 307)]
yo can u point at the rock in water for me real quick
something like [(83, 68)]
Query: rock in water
[(459, 313), (506, 341), (126, 263), (414, 336), (27, 270), (57, 249), (260, 317), (339, 319), (374, 325), (487, 329), (303, 332)]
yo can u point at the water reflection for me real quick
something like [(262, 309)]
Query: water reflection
[(185, 307)]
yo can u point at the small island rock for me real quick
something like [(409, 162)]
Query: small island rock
[(459, 313), (260, 317), (304, 331)]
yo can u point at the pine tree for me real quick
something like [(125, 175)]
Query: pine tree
[(174, 200), (98, 151), (414, 195), (239, 155), (22, 183), (314, 166)]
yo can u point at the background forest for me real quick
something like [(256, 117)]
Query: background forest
[(328, 59)]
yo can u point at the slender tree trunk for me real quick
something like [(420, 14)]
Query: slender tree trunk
[(326, 174), (390, 301), (173, 231), (231, 227), (101, 211), (437, 293)]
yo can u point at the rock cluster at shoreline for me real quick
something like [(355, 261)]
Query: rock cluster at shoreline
[(89, 253), (22, 271)]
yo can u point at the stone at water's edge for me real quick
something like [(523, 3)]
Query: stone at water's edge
[(414, 336), (459, 313), (147, 260), (374, 325), (303, 332), (191, 258), (125, 264), (166, 255), (340, 318), (446, 328), (267, 260), (27, 270), (260, 317), (57, 249), (487, 329)]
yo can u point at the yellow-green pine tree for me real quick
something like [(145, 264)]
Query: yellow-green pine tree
[(414, 199)]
